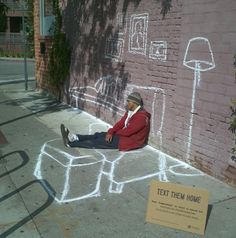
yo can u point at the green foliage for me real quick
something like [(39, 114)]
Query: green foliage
[(13, 54), (60, 54), (166, 5), (3, 17), (30, 25), (232, 126)]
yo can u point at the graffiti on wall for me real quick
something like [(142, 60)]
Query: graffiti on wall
[(158, 50), (107, 87), (109, 90), (138, 33), (114, 49), (121, 24), (199, 58), (137, 42)]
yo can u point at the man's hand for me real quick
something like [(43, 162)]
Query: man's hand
[(108, 138)]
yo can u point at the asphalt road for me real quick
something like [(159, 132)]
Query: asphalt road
[(12, 70)]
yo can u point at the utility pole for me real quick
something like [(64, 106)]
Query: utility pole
[(25, 46)]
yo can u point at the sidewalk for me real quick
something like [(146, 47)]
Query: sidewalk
[(48, 190), (16, 59)]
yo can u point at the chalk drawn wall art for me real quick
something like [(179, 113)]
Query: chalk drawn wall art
[(157, 104), (104, 93), (108, 86), (114, 49), (199, 58), (158, 50), (138, 33), (121, 24), (138, 30)]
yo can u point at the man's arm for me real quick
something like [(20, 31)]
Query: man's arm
[(137, 123), (118, 126)]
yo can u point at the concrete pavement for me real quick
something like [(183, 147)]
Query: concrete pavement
[(48, 190)]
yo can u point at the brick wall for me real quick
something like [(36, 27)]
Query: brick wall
[(41, 58), (182, 65)]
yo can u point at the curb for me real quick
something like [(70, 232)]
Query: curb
[(16, 59)]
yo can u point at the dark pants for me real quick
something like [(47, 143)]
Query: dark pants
[(95, 141)]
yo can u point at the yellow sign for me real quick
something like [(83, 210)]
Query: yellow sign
[(177, 206)]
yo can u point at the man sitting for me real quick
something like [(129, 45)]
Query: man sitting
[(130, 132)]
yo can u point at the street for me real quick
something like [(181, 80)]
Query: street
[(13, 71)]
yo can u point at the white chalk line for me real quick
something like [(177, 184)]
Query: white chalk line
[(161, 173)]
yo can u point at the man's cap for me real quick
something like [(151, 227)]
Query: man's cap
[(136, 98)]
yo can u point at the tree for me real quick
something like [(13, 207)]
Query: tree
[(232, 126), (3, 17), (59, 55)]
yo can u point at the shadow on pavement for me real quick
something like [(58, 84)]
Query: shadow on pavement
[(53, 108), (50, 196), (210, 206), (24, 158), (48, 202)]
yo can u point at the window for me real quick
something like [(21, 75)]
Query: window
[(15, 24), (47, 17)]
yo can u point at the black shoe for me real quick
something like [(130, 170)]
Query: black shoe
[(64, 133)]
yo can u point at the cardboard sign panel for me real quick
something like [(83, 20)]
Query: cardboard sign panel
[(177, 206)]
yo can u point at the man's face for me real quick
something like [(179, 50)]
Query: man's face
[(131, 105)]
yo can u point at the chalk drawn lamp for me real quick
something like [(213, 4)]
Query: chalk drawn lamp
[(199, 54), (198, 57)]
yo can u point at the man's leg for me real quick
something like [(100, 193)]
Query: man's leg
[(64, 133), (95, 141)]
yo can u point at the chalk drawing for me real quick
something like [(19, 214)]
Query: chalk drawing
[(107, 87), (121, 24), (114, 49), (198, 57), (138, 33), (158, 50), (157, 99), (104, 93), (101, 164), (68, 162)]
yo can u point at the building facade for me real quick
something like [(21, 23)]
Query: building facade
[(12, 39), (182, 64)]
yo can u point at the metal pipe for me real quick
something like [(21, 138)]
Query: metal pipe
[(25, 48)]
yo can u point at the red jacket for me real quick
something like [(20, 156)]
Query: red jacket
[(135, 135)]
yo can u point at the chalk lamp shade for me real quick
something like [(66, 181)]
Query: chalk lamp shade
[(198, 55)]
